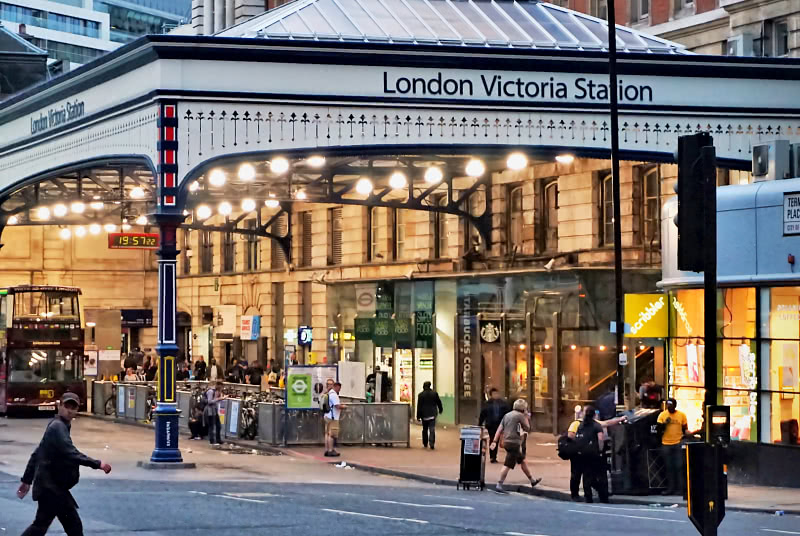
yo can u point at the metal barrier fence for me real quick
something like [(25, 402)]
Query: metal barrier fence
[(361, 424)]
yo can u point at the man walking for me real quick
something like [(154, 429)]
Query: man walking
[(53, 469), (492, 415), (674, 425), (429, 406), (333, 413), (514, 430)]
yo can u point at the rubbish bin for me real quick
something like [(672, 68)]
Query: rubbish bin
[(636, 464), (473, 458)]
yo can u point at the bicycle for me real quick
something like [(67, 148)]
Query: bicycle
[(111, 402)]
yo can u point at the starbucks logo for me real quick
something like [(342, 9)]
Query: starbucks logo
[(490, 332)]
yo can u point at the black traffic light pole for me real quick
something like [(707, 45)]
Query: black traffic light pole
[(614, 110), (709, 167)]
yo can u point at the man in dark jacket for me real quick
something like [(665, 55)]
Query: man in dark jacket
[(429, 406), (53, 469), (254, 373), (492, 415), (200, 369)]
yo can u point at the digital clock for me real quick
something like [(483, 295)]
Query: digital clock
[(133, 240)]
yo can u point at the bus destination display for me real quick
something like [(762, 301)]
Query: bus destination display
[(133, 240)]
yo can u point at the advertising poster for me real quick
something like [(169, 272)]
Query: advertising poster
[(90, 363), (121, 400), (233, 425), (305, 384), (109, 355)]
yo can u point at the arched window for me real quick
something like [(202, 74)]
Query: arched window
[(515, 221), (550, 216)]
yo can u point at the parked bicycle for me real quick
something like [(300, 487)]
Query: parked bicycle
[(248, 416), (111, 402)]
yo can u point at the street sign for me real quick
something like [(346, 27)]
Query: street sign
[(623, 358)]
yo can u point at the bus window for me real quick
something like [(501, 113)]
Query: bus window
[(51, 305), (28, 366)]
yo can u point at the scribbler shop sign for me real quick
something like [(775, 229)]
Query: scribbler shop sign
[(646, 315), (55, 117)]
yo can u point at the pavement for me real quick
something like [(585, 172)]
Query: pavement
[(235, 492)]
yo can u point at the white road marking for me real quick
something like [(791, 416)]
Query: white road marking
[(522, 534), (780, 531), (238, 498), (629, 517), (652, 510), (252, 494), (199, 492), (360, 514), (463, 499), (454, 507)]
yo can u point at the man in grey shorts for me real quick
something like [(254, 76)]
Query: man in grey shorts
[(514, 429)]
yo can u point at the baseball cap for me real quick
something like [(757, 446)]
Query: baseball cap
[(70, 397)]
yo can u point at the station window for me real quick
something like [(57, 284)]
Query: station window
[(681, 5), (278, 228), (305, 238), (187, 248), (442, 228), (607, 210), (640, 10), (651, 206), (515, 219), (335, 236), (251, 253), (378, 229), (599, 9), (550, 216), (228, 252), (206, 252), (401, 244)]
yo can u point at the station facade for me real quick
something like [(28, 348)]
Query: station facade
[(431, 200)]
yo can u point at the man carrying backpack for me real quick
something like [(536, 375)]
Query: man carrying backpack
[(332, 410), (587, 460)]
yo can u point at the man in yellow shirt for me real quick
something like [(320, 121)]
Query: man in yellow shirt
[(674, 427)]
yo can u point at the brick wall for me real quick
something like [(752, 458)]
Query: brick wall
[(660, 11)]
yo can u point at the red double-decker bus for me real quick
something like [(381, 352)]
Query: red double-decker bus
[(41, 347)]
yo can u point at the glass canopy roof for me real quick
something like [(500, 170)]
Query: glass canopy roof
[(478, 23)]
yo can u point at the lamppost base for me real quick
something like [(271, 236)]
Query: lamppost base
[(166, 465), (166, 451)]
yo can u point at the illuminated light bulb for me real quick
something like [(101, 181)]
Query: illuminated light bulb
[(573, 347), (95, 228), (60, 210), (137, 193), (602, 348), (642, 347), (12, 220), (203, 212), (398, 180), (624, 348), (77, 207), (565, 159), (517, 161), (301, 195), (272, 203), (248, 205), (475, 168), (43, 213), (217, 178), (80, 232), (65, 233), (110, 227), (364, 186), (546, 346), (316, 161), (247, 172), (433, 175), (522, 346), (194, 186), (96, 205), (225, 208), (126, 227), (279, 165), (141, 220), (185, 212)]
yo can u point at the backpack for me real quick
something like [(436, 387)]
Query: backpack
[(566, 447), (323, 404), (586, 440)]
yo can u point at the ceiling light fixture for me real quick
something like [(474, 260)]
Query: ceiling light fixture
[(141, 220), (194, 186), (316, 161), (248, 205), (80, 231), (301, 195), (126, 226), (77, 207), (517, 161), (247, 172), (12, 220), (203, 212), (110, 227), (137, 192), (433, 175), (279, 165), (272, 202), (565, 158), (43, 213), (364, 186), (225, 208), (398, 180), (475, 168), (60, 210), (96, 205), (217, 178), (95, 228), (65, 233)]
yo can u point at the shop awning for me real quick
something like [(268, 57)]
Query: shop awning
[(474, 23)]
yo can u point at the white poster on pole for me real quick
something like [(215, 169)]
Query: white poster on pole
[(90, 365), (353, 377), (110, 355)]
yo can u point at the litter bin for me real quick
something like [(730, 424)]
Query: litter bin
[(473, 458), (636, 464)]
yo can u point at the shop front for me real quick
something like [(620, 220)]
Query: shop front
[(543, 337)]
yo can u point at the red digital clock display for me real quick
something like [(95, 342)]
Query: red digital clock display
[(133, 240)]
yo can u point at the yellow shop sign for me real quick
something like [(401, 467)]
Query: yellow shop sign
[(646, 315)]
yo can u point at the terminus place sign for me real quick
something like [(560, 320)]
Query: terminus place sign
[(492, 85)]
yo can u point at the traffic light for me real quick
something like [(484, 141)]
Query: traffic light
[(691, 206)]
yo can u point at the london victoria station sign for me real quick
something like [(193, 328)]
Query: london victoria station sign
[(489, 85)]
